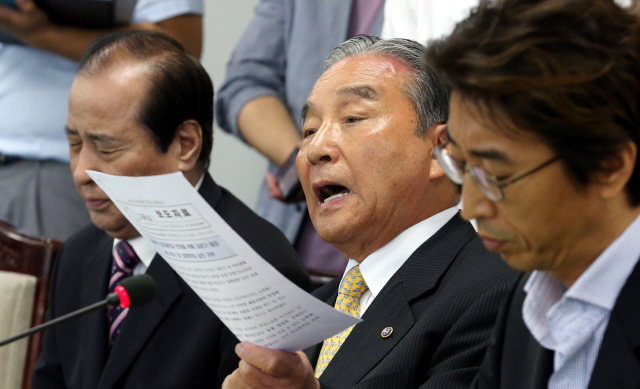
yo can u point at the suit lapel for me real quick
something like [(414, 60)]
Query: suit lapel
[(539, 362), (93, 332), (365, 343), (520, 348), (210, 191), (618, 362), (429, 262), (141, 323), (392, 307)]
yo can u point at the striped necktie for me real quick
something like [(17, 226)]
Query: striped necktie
[(348, 302), (124, 261)]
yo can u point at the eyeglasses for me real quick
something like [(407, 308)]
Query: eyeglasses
[(488, 183)]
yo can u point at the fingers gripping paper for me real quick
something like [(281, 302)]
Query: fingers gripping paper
[(256, 302)]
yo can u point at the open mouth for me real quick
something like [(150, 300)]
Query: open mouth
[(331, 192)]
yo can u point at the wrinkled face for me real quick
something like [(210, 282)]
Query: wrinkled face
[(364, 172), (543, 220), (104, 135)]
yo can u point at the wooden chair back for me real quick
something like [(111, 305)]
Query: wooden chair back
[(21, 253)]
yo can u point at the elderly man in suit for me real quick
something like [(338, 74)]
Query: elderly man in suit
[(543, 136), (418, 276), (140, 105)]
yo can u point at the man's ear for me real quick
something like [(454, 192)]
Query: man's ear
[(189, 139), (617, 171), (438, 136)]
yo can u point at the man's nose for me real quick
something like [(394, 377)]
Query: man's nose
[(475, 204), (84, 160), (323, 148)]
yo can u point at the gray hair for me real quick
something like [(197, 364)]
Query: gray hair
[(424, 87)]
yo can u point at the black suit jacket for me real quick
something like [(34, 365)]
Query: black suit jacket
[(441, 304), (515, 360), (173, 342)]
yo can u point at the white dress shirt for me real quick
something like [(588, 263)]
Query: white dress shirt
[(572, 322), (383, 263), (422, 20), (34, 89), (143, 248)]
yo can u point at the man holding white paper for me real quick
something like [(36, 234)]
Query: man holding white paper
[(419, 277), (140, 106)]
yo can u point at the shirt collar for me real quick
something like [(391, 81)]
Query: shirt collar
[(609, 272), (144, 250), (199, 183), (606, 275), (382, 264)]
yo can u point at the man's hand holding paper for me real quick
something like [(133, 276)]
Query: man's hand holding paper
[(276, 369)]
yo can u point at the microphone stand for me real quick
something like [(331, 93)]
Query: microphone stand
[(111, 300)]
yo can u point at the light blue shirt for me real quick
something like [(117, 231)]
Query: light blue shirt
[(34, 89), (572, 322)]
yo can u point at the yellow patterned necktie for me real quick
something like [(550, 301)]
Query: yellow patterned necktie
[(348, 302)]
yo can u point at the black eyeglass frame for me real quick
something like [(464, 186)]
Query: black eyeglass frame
[(477, 172)]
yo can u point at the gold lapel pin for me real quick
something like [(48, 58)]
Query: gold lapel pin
[(387, 332)]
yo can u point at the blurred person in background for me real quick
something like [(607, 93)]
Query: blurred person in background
[(37, 193), (423, 20)]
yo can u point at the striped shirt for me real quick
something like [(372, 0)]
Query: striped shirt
[(572, 322)]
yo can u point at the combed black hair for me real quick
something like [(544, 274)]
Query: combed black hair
[(179, 87)]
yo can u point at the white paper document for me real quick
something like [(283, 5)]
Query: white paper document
[(256, 302)]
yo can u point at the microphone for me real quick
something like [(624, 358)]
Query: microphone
[(132, 292)]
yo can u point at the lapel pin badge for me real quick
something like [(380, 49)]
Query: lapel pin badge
[(387, 332)]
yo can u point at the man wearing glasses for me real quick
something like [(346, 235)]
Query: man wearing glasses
[(543, 137)]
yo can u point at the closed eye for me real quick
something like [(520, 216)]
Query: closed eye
[(107, 151)]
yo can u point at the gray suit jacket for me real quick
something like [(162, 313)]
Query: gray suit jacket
[(281, 54)]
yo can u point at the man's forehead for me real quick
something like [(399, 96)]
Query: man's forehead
[(382, 62), (126, 82), (362, 67), (128, 77), (363, 75), (118, 62)]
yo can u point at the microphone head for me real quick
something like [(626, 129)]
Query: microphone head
[(136, 291)]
